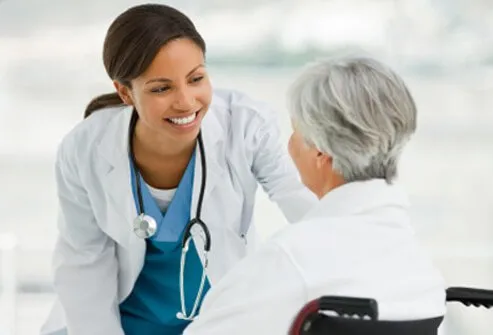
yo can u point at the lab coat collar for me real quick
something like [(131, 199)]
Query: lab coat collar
[(358, 197), (113, 149)]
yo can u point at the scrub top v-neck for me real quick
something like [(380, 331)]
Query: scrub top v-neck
[(151, 307)]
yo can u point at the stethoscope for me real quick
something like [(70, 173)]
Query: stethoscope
[(145, 226)]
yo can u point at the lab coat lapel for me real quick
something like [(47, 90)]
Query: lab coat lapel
[(214, 150), (120, 211), (211, 133)]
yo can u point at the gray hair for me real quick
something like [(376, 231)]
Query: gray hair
[(356, 110)]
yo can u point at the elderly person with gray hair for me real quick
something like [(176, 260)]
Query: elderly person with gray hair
[(351, 119)]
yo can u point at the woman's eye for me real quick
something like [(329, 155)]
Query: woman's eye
[(160, 89), (197, 79)]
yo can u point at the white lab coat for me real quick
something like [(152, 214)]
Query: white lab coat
[(356, 242), (98, 258)]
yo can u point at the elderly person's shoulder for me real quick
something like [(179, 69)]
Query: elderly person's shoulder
[(358, 210), (359, 241)]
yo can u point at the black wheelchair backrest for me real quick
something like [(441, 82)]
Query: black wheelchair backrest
[(333, 315)]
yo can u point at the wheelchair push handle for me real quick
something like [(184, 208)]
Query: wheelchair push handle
[(471, 296)]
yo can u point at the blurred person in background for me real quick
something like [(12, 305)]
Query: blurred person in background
[(351, 118), (164, 149)]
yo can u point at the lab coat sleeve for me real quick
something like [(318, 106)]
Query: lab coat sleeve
[(276, 172), (85, 267), (260, 295)]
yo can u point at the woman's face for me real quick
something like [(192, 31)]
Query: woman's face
[(174, 93)]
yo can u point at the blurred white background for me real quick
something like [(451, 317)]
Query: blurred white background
[(51, 66)]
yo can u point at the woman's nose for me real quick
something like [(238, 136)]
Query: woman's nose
[(184, 101)]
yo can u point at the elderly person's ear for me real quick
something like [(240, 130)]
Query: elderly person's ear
[(323, 160)]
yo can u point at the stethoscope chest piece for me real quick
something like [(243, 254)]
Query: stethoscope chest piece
[(145, 226)]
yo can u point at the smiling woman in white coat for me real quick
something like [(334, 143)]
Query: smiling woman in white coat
[(163, 150), (352, 118)]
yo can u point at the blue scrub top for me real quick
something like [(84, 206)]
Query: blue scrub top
[(151, 307)]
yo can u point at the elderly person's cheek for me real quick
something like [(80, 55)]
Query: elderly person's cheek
[(290, 146), (294, 149)]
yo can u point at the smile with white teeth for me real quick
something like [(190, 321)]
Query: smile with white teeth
[(183, 120)]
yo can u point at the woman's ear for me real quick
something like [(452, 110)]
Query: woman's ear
[(124, 92)]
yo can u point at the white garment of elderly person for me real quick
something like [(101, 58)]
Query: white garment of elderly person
[(351, 119)]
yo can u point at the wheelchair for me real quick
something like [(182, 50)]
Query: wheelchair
[(333, 315)]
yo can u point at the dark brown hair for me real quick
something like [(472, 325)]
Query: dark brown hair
[(133, 40)]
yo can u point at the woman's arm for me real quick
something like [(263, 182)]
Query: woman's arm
[(85, 266), (276, 172)]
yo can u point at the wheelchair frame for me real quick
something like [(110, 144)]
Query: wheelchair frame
[(336, 315)]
